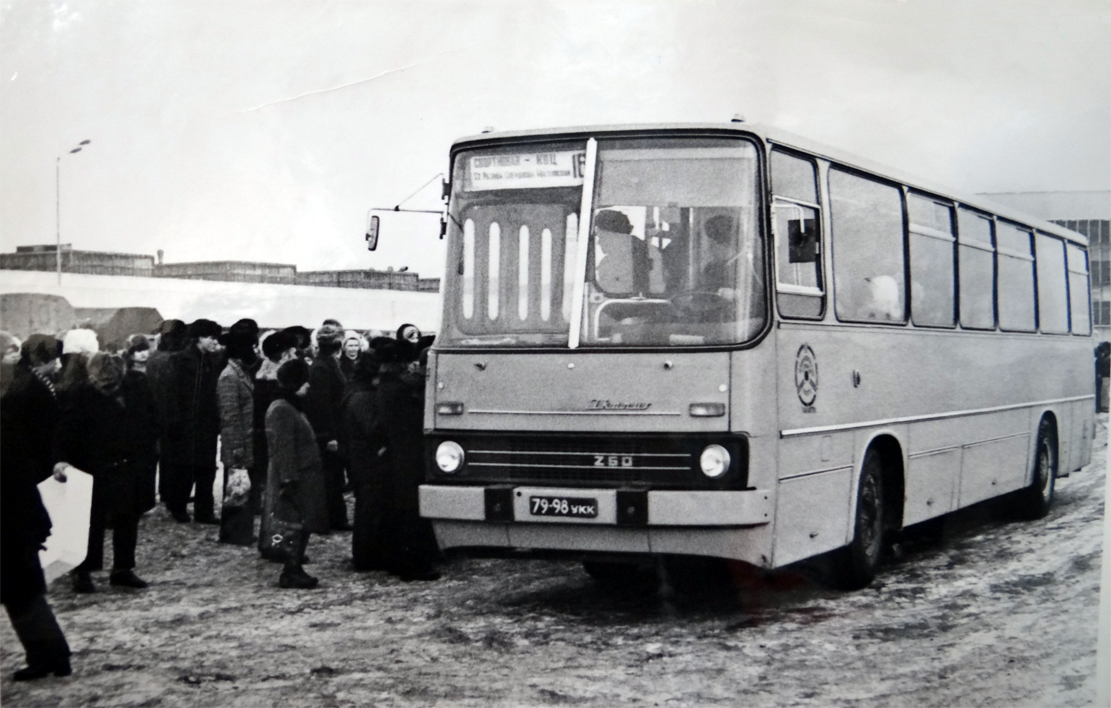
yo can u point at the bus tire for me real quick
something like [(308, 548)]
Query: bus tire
[(1034, 501), (854, 566)]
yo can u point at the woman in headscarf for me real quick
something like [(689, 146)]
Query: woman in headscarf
[(28, 414), (295, 481), (350, 354), (108, 429)]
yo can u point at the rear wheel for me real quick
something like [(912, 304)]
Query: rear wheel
[(854, 566), (1034, 501)]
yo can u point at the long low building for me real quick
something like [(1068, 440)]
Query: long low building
[(269, 304)]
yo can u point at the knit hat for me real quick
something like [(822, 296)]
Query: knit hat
[(293, 374), (204, 328), (137, 343), (80, 341)]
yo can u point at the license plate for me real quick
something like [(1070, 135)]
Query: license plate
[(574, 507)]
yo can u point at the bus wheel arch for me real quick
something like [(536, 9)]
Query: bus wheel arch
[(877, 512), (1034, 501)]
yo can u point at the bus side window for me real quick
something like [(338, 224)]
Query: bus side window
[(977, 270), (796, 220), (867, 231), (932, 291), (1053, 298), (1016, 279), (1079, 291)]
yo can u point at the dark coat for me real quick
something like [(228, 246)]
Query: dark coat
[(191, 418), (401, 412), (113, 438), (364, 435), (295, 457), (28, 414), (324, 402)]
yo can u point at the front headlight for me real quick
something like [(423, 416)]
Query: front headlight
[(449, 456), (714, 461)]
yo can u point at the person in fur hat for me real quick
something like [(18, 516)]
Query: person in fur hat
[(107, 428), (192, 424), (28, 415), (295, 482), (277, 348), (235, 390), (324, 408)]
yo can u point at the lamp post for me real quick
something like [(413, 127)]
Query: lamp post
[(58, 207)]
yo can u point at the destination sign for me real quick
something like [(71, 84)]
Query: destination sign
[(531, 170)]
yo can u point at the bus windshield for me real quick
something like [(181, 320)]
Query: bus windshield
[(674, 256)]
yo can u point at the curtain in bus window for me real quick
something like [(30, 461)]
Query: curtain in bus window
[(1079, 292), (931, 262), (977, 270), (797, 220), (1016, 279), (867, 225), (1053, 301), (506, 262)]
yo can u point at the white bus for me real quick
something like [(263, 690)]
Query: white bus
[(726, 341)]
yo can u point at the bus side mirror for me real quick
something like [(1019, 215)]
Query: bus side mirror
[(372, 234)]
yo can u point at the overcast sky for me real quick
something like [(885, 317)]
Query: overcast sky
[(234, 130)]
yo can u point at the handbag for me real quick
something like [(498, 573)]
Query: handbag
[(237, 492), (286, 535)]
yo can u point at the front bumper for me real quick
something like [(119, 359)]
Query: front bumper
[(634, 508)]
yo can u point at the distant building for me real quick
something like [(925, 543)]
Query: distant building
[(88, 262), (230, 271), (373, 279), (44, 258), (1087, 213)]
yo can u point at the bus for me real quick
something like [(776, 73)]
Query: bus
[(722, 340)]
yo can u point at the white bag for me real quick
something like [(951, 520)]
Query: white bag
[(69, 504), (238, 489)]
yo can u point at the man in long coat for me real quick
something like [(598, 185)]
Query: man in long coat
[(192, 424), (28, 414), (324, 408)]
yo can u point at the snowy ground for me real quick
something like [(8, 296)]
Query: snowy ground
[(996, 613)]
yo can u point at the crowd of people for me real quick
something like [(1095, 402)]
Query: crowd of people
[(295, 417)]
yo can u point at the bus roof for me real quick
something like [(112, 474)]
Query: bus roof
[(790, 140)]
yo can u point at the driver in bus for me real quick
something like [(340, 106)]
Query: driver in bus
[(718, 275)]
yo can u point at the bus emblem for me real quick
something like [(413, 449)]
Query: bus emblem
[(806, 377)]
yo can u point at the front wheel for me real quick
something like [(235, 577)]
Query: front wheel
[(1034, 501), (854, 566)]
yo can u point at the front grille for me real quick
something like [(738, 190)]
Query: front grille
[(589, 460)]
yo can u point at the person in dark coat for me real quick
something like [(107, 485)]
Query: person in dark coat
[(324, 408), (235, 395), (412, 544), (191, 421), (107, 428), (173, 337), (277, 348), (295, 481), (366, 465), (28, 415)]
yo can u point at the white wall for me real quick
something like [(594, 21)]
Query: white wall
[(269, 305)]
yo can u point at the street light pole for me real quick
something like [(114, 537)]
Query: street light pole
[(58, 208)]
